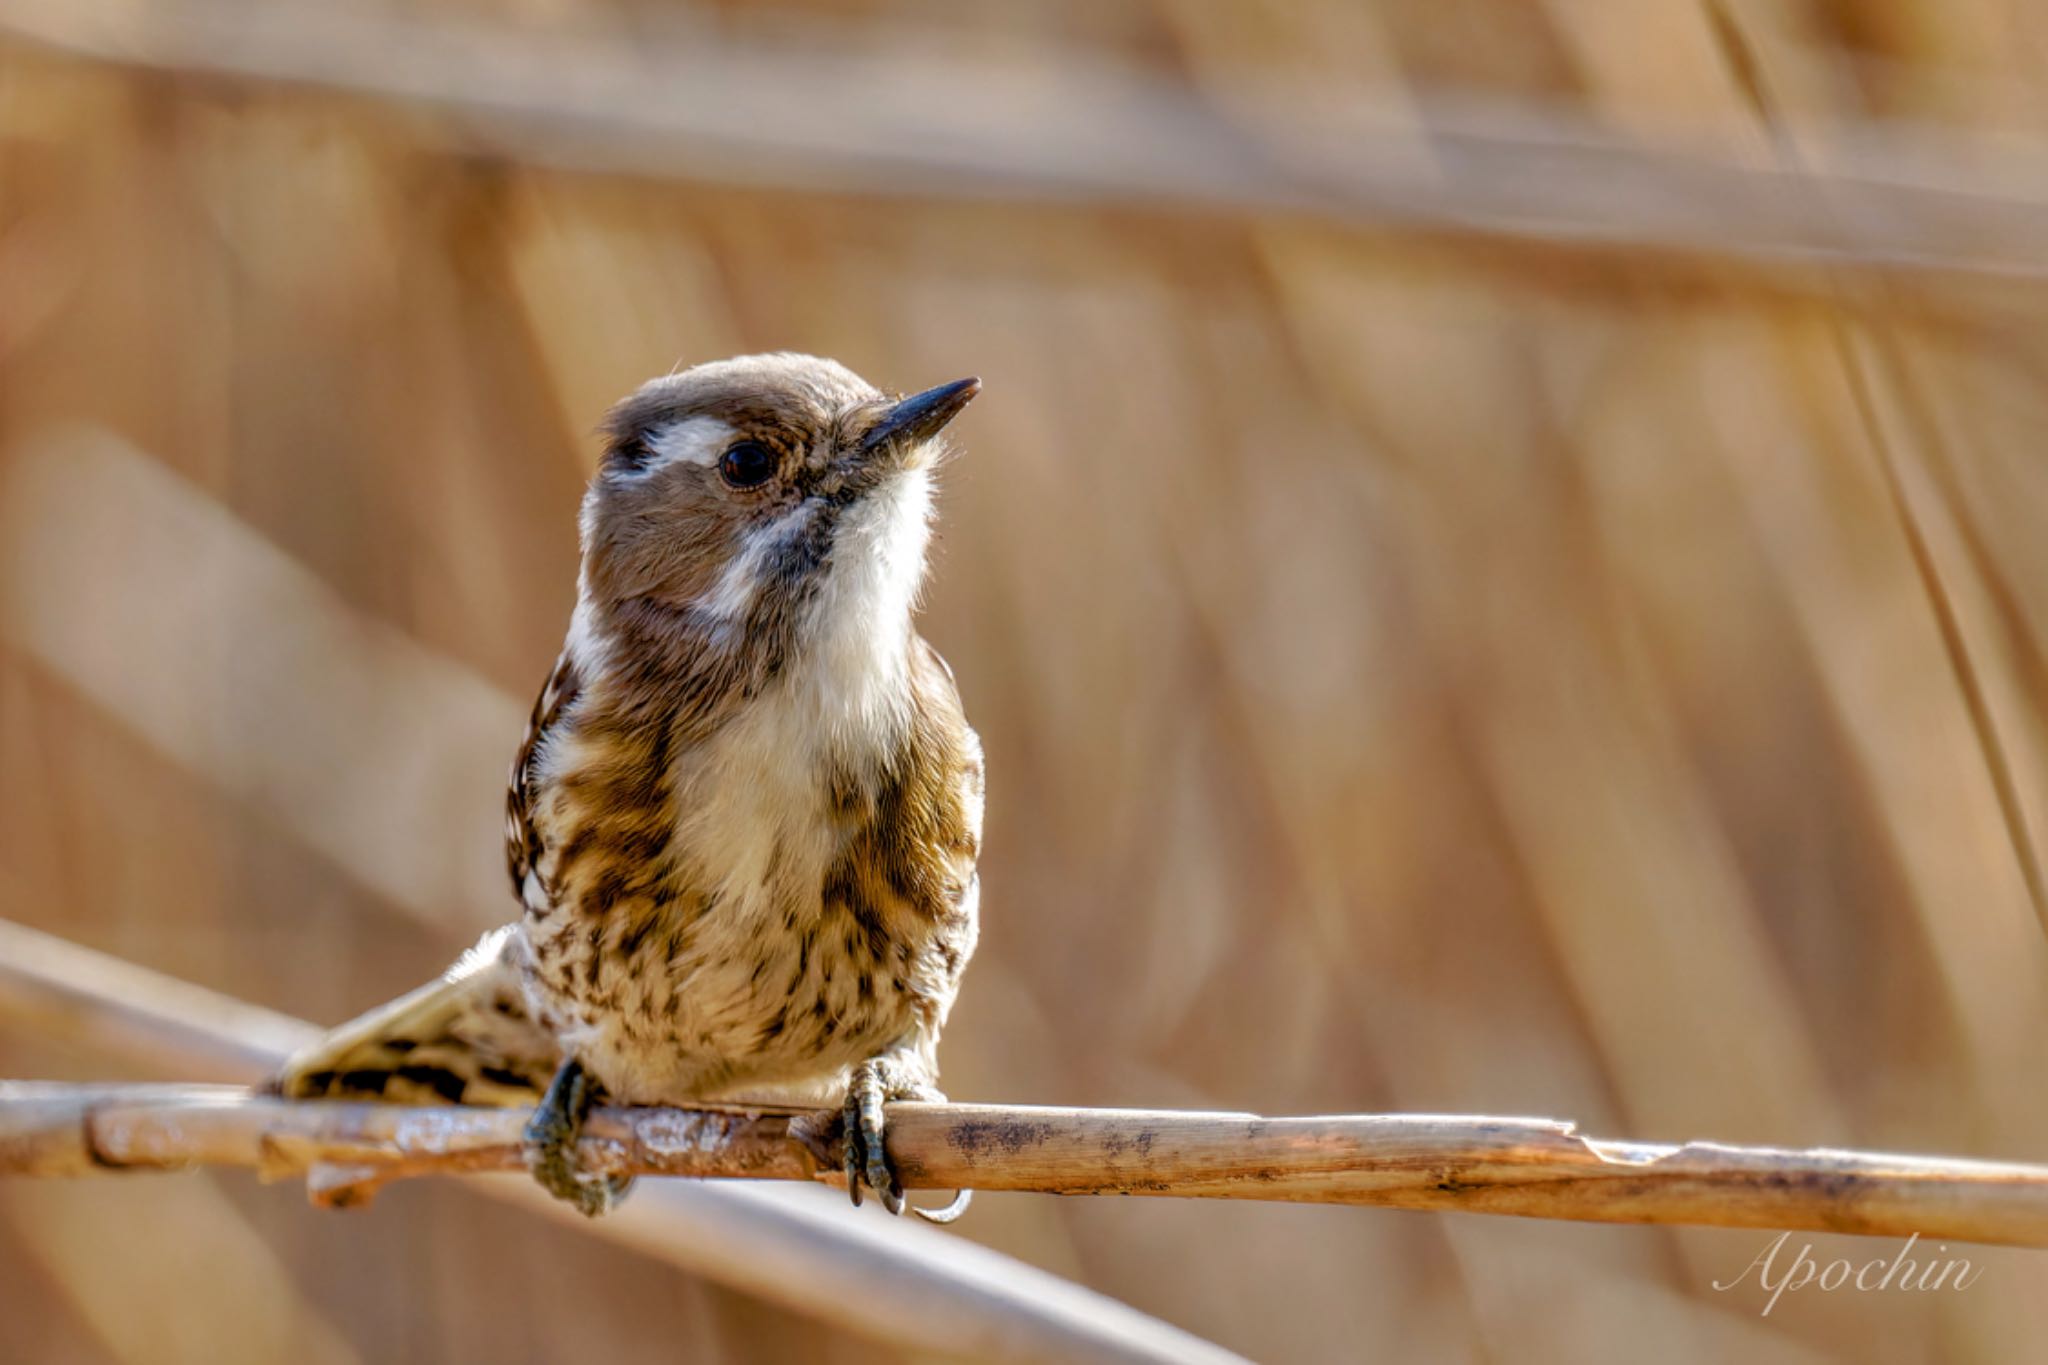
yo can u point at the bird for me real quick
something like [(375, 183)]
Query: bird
[(744, 824)]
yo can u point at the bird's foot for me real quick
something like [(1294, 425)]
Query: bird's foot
[(551, 1136), (866, 1159)]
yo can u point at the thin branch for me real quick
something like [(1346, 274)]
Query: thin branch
[(891, 1281), (855, 113), (1527, 1167)]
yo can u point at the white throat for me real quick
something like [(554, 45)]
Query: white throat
[(853, 653), (757, 794)]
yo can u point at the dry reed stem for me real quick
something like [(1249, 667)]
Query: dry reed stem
[(912, 1287), (1909, 201), (1526, 1167)]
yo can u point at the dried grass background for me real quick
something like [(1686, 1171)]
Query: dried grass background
[(1421, 667)]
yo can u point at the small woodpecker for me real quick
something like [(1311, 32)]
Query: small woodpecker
[(745, 819)]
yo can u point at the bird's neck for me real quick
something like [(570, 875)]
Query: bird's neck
[(836, 695), (824, 659)]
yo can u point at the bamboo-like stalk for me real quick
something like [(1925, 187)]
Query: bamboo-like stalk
[(892, 1281), (1528, 1167), (1909, 201)]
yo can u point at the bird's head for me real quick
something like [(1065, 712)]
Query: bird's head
[(763, 500)]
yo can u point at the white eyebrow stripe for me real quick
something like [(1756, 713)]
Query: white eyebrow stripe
[(694, 440)]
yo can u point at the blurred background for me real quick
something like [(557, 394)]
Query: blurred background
[(1499, 568)]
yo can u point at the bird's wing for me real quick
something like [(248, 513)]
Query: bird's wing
[(958, 829), (522, 841), (951, 830), (464, 1039)]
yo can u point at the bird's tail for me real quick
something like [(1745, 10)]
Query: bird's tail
[(464, 1039)]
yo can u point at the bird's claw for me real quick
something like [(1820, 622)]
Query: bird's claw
[(867, 1160), (551, 1136)]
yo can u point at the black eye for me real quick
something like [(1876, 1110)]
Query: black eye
[(747, 464)]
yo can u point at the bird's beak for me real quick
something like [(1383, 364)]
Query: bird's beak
[(919, 417)]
